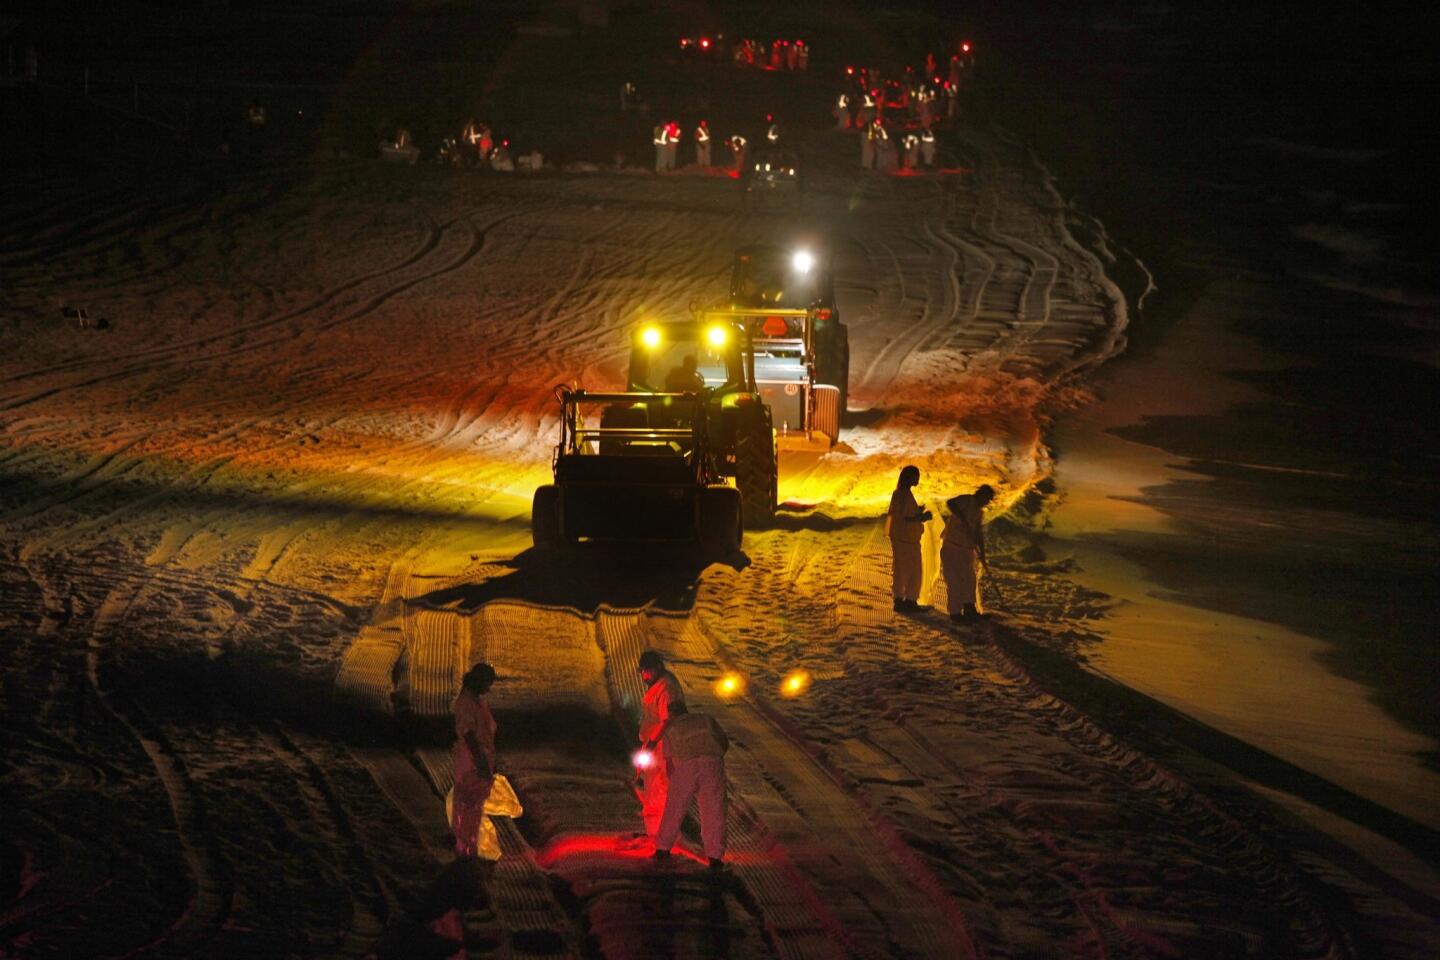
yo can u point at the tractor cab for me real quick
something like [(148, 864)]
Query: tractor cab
[(690, 357)]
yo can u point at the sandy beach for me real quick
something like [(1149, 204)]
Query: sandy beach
[(252, 535)]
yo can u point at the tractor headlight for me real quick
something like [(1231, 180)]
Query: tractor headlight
[(650, 336), (717, 336), (802, 261)]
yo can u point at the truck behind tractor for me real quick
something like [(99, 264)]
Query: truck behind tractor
[(797, 278), (657, 461), (805, 411)]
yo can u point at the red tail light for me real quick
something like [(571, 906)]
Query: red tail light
[(823, 313), (774, 327)]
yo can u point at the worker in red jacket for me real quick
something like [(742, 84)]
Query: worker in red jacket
[(662, 694)]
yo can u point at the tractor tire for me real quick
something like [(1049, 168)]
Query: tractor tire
[(827, 411), (832, 363), (720, 523), (545, 517), (756, 472)]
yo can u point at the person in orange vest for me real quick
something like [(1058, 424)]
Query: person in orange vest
[(905, 526), (841, 112), (962, 552), (702, 144), (661, 139), (672, 144), (696, 747), (662, 693)]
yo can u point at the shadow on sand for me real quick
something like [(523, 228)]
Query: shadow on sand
[(585, 578)]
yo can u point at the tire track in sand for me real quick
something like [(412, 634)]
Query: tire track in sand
[(785, 803)]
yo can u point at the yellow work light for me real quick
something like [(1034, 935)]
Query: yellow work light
[(802, 261), (717, 336), (795, 683), (729, 685), (650, 336)]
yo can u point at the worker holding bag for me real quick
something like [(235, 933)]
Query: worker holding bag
[(479, 792)]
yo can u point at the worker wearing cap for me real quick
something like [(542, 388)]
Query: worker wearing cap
[(695, 746), (473, 757), (662, 694), (962, 552), (905, 525)]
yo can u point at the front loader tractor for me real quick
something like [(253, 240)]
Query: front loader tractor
[(687, 452)]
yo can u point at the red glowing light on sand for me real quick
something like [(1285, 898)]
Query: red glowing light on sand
[(592, 845), (705, 42)]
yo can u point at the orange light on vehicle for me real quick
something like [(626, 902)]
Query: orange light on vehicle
[(795, 683), (729, 686)]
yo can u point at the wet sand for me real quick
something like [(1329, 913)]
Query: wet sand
[(1253, 673)]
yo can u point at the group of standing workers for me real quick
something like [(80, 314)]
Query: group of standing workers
[(896, 117), (682, 754), (681, 759), (962, 547), (667, 137)]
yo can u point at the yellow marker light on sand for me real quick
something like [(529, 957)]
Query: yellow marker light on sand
[(717, 336), (795, 683), (729, 686), (650, 336), (802, 261)]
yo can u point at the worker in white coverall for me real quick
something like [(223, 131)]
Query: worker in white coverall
[(962, 552), (905, 525), (695, 746), (662, 693), (473, 756)]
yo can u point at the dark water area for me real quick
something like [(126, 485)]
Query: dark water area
[(1291, 151)]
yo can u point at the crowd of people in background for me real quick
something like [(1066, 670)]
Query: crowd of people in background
[(896, 116), (894, 113)]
